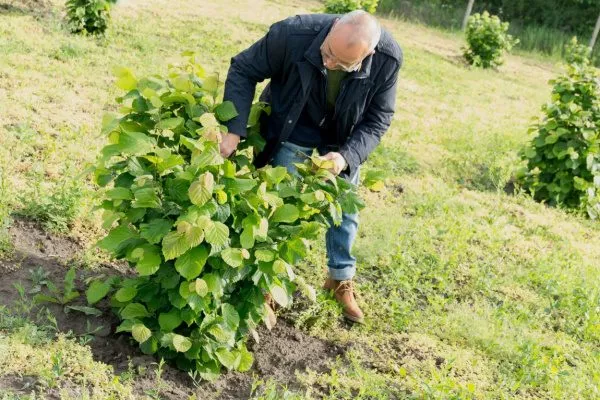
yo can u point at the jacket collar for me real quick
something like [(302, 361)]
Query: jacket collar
[(313, 55)]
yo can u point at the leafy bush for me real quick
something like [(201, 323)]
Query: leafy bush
[(576, 53), (208, 236), (345, 6), (563, 159), (487, 40), (88, 16)]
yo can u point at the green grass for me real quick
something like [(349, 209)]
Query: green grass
[(469, 292)]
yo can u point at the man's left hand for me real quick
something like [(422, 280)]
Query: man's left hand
[(339, 162)]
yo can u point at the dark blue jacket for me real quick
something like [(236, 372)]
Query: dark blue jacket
[(289, 54)]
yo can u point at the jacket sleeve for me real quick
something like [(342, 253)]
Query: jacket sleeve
[(377, 119), (260, 61)]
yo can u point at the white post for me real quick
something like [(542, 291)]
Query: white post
[(595, 35), (467, 14)]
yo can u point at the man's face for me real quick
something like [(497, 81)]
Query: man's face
[(339, 54)]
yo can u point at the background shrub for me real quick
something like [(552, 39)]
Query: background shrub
[(577, 53), (345, 6), (563, 159), (487, 40), (88, 16)]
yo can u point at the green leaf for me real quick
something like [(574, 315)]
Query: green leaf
[(208, 120), (150, 346), (110, 122), (97, 291), (181, 343), (275, 175), (208, 157), (221, 334), (147, 259), (239, 185), (169, 321), (229, 359), (155, 230), (191, 263), (174, 244), (119, 193), (85, 310), (246, 359), (226, 111), (201, 190), (126, 80), (279, 295), (213, 282), (279, 266), (135, 143), (117, 238), (134, 310), (170, 123), (126, 294), (146, 198), (199, 286), (264, 255), (217, 234), (233, 257), (230, 316), (288, 213), (140, 333)]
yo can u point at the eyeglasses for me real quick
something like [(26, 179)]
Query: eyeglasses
[(328, 55)]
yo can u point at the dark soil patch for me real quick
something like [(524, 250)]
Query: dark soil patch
[(279, 355)]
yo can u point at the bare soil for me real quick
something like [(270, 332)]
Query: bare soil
[(281, 353)]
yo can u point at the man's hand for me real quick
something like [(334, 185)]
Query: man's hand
[(229, 144), (339, 162)]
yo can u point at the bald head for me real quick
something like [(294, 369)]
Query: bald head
[(352, 38), (363, 28)]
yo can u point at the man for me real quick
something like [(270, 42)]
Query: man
[(333, 87)]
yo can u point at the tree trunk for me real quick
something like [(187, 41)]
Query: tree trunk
[(595, 35), (467, 14)]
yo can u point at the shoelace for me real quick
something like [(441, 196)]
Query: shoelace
[(347, 286)]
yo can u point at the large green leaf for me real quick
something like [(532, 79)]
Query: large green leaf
[(136, 143), (170, 123), (145, 198), (181, 343), (140, 333), (169, 321), (234, 257), (147, 259), (201, 189), (217, 234), (126, 294), (229, 359), (279, 294), (97, 291), (174, 244), (230, 316), (134, 310), (287, 213), (155, 230), (190, 264), (118, 238), (226, 111), (246, 359), (119, 193)]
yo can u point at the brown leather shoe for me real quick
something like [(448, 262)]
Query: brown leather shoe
[(344, 294)]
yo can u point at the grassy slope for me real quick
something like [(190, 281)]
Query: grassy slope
[(469, 292)]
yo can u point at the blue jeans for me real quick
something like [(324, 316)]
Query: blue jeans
[(339, 239)]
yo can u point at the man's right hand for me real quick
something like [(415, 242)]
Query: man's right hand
[(229, 144)]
